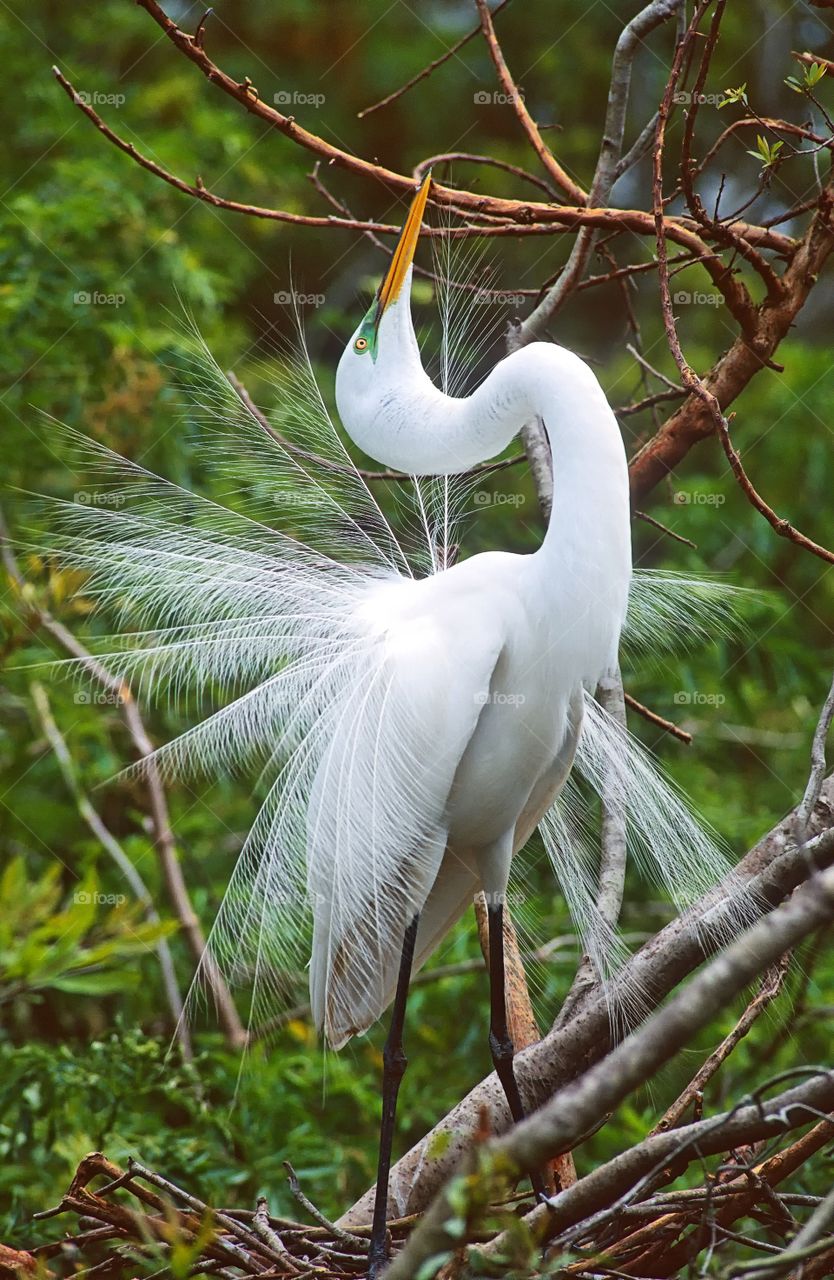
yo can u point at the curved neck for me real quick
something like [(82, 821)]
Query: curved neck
[(396, 414)]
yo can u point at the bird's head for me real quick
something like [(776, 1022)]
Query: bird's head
[(383, 351)]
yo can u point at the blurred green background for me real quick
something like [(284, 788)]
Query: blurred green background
[(100, 262)]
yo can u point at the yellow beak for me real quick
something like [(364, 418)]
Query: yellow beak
[(391, 286)]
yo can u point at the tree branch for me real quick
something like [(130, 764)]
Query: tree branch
[(117, 854), (576, 1108), (653, 15), (768, 873)]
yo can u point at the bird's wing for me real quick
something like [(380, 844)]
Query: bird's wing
[(376, 823)]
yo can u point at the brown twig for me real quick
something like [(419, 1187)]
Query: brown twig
[(696, 385), (810, 58), (660, 722), (428, 70), (657, 524), (515, 97), (736, 294), (515, 218), (756, 122), (469, 157), (769, 989), (778, 523)]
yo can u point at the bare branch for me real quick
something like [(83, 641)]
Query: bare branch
[(768, 873), (576, 1108), (660, 722), (549, 162), (428, 70), (817, 774), (604, 1191), (778, 523), (117, 854), (687, 542), (605, 174)]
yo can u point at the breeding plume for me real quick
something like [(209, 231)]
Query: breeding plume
[(414, 724)]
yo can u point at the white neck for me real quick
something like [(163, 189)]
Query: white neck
[(393, 411)]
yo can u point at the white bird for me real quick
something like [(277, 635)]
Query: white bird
[(414, 730), (489, 658)]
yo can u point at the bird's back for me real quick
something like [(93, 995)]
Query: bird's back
[(444, 742)]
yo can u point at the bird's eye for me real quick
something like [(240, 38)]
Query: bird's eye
[(361, 344)]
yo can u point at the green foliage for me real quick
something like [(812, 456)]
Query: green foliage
[(70, 947), (811, 76), (766, 152), (737, 95)]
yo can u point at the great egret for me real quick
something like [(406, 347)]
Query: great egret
[(490, 656), (414, 728)]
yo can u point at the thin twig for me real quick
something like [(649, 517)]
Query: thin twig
[(345, 1237), (656, 373), (660, 722), (427, 71), (515, 96), (817, 774), (469, 157), (769, 989), (778, 523), (643, 515), (117, 854), (605, 173), (690, 378)]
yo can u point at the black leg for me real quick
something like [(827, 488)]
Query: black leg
[(500, 1043), (394, 1065)]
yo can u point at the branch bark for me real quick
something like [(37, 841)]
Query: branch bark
[(576, 1108), (769, 872)]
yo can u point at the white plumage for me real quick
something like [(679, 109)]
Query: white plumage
[(414, 725)]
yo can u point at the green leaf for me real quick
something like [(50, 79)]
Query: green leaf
[(432, 1265), (95, 984), (739, 94)]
